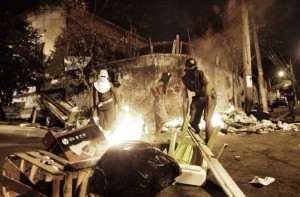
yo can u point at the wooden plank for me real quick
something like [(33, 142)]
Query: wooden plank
[(20, 188), (22, 165), (55, 157), (72, 117), (173, 47), (36, 162), (177, 44), (211, 141), (180, 152), (67, 190), (55, 188), (62, 117), (172, 143), (56, 104), (34, 112), (32, 173), (43, 158), (184, 129), (50, 177), (223, 178), (188, 153), (220, 154), (65, 105), (84, 183), (16, 173), (184, 153), (80, 178), (87, 163), (4, 190)]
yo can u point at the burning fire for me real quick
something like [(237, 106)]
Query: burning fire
[(129, 127), (216, 121)]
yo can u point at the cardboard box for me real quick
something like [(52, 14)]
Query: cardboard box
[(75, 145)]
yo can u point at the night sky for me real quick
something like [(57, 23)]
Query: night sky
[(278, 19), (281, 17)]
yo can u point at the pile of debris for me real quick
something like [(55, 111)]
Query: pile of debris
[(238, 121)]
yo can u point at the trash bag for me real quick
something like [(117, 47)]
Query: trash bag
[(260, 115), (133, 169)]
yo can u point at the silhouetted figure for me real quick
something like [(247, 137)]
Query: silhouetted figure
[(159, 90), (204, 100), (105, 100), (290, 97)]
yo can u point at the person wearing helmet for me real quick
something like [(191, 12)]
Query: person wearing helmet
[(159, 90), (105, 98), (204, 100)]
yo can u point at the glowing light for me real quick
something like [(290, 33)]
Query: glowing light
[(174, 123), (128, 128), (202, 124), (217, 120), (281, 73), (230, 108)]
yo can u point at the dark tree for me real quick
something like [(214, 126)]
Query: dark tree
[(83, 37), (83, 40), (21, 56)]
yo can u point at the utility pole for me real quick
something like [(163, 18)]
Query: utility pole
[(261, 81), (247, 76), (291, 67)]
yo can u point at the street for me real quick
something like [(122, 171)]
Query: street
[(19, 139), (275, 154)]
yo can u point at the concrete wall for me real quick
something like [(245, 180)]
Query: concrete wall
[(142, 72)]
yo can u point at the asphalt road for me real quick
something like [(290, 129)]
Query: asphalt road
[(275, 154), (19, 139)]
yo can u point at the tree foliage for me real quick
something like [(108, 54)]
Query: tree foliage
[(21, 56), (83, 37)]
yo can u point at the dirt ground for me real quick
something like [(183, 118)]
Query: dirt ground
[(275, 154)]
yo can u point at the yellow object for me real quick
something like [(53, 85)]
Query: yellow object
[(172, 144)]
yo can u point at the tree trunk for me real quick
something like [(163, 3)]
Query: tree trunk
[(247, 59), (261, 81)]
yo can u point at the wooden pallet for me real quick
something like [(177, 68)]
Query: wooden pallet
[(22, 171)]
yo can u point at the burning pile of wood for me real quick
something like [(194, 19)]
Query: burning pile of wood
[(238, 121)]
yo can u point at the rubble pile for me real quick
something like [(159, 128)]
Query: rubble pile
[(238, 121)]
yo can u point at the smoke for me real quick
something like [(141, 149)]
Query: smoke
[(262, 10), (225, 45), (275, 20)]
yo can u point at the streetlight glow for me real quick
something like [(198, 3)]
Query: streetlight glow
[(280, 73)]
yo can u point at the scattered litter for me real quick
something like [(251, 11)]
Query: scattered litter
[(266, 181), (238, 121)]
